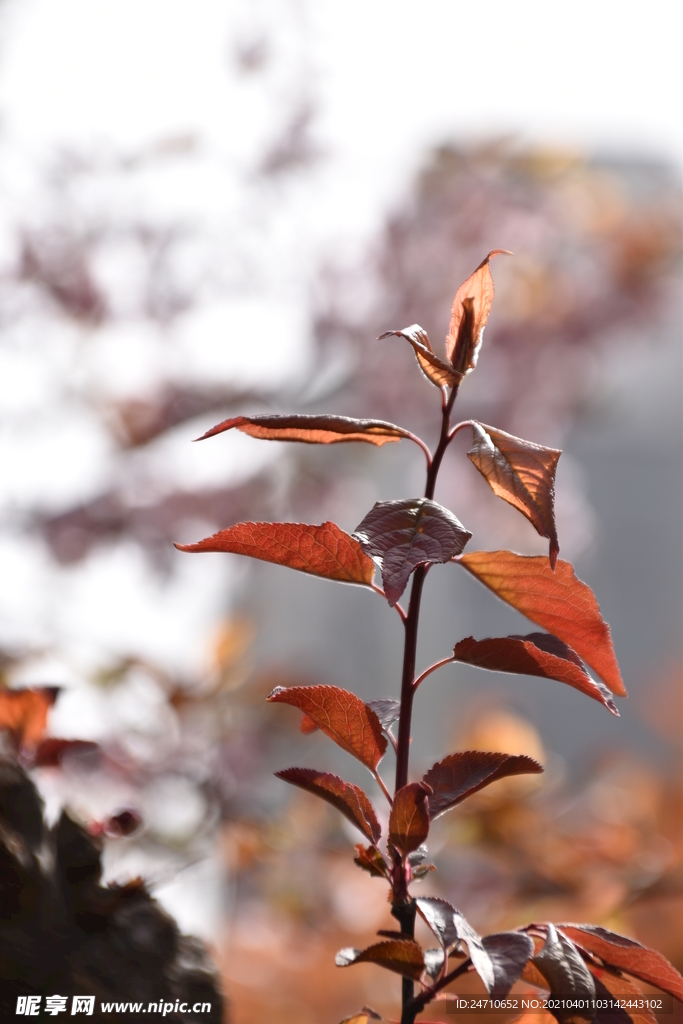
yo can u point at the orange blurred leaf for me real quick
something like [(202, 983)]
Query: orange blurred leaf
[(538, 654), (23, 713), (403, 956), (521, 473), (470, 311), (347, 798), (342, 716), (409, 818), (319, 550), (312, 429), (460, 775), (557, 601)]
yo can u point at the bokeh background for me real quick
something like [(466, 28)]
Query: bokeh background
[(215, 208)]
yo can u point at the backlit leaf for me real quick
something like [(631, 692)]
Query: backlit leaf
[(538, 654), (556, 601), (435, 369), (342, 716), (509, 953), (371, 860), (628, 955), (320, 550), (311, 429), (409, 818), (23, 713), (470, 311), (400, 535), (567, 975), (347, 798), (521, 473), (403, 956), (451, 927), (459, 775), (612, 989)]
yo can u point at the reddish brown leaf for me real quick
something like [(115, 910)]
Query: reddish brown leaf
[(567, 975), (435, 370), (613, 989), (342, 716), (23, 713), (556, 601), (509, 953), (400, 535), (451, 927), (320, 550), (521, 473), (628, 955), (50, 752), (312, 429), (403, 956), (538, 654), (307, 725), (347, 798), (409, 818), (460, 775), (371, 860), (471, 308)]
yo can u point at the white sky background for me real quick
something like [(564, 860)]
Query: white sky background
[(114, 78)]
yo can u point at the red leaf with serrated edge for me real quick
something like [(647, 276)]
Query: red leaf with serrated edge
[(342, 716), (628, 955), (371, 860), (538, 654), (50, 752), (409, 818), (312, 429), (460, 775), (435, 370), (403, 956), (557, 601), (319, 550), (403, 534), (347, 798), (23, 713), (521, 473), (471, 308), (614, 990), (561, 965), (451, 927)]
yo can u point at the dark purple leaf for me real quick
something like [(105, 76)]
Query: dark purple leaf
[(459, 775), (509, 953), (561, 965), (400, 535), (451, 927), (388, 710)]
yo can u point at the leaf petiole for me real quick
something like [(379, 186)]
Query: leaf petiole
[(432, 668)]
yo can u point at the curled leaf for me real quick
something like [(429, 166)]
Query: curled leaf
[(342, 716), (628, 955), (319, 550), (509, 953), (556, 601), (400, 535), (538, 654), (521, 473), (371, 860), (409, 818), (561, 965), (312, 429), (451, 927), (438, 372), (403, 956), (470, 311), (347, 798), (460, 775)]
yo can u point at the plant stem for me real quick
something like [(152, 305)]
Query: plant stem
[(403, 910)]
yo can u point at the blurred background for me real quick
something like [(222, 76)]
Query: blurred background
[(212, 209)]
